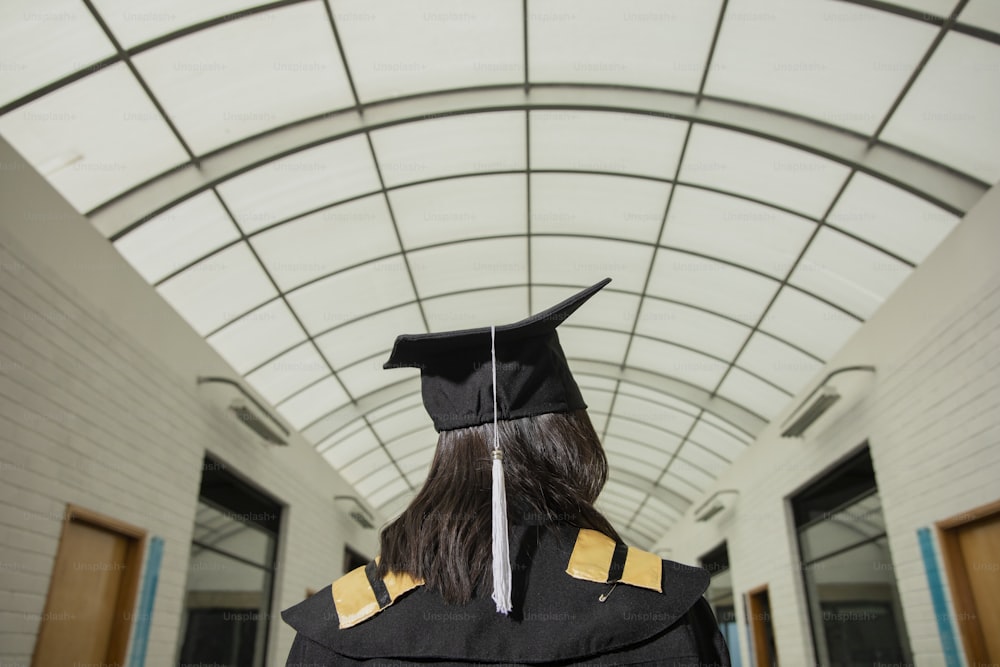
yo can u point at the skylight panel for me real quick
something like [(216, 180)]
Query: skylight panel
[(952, 112), (94, 138), (401, 423), (712, 285), (762, 169), (301, 182), (847, 273), (454, 145), (791, 55), (405, 447), (290, 372), (616, 310), (460, 208), (257, 336), (178, 236), (736, 230), (587, 204), (232, 277), (808, 323), (754, 394), (695, 476), (366, 376), (717, 440), (327, 241), (581, 261), (240, 78), (891, 218), (345, 296), (435, 45), (366, 465), (582, 343), (470, 265), (368, 335), (638, 42), (310, 404), (388, 492), (606, 141), (676, 362), (703, 458), (653, 413), (778, 363), (982, 14), (36, 38), (377, 479), (680, 486), (134, 23), (477, 309), (691, 327)]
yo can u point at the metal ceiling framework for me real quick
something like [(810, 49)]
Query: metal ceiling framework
[(675, 403)]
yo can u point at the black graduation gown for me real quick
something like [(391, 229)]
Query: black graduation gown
[(558, 618)]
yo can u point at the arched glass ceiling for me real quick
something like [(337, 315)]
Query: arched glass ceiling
[(302, 180)]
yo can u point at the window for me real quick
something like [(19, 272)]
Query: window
[(227, 603), (720, 597), (847, 568)]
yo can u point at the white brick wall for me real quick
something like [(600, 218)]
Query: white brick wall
[(931, 420), (96, 414)]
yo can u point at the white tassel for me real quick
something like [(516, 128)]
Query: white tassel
[(501, 549)]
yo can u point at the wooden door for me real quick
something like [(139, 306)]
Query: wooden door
[(971, 547), (91, 592), (761, 630)]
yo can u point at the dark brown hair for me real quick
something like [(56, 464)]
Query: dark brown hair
[(554, 469)]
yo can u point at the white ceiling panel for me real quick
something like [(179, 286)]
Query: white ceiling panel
[(178, 236), (378, 479), (761, 169), (366, 465), (388, 492), (401, 423), (723, 289), (794, 59), (808, 323), (703, 458), (248, 75), (952, 112), (717, 440), (258, 336), (469, 265), (85, 137), (367, 375), (635, 42), (408, 445), (641, 410), (582, 261), (587, 204), (134, 23), (694, 475), (690, 327), (279, 378), (753, 393), (469, 143), (778, 363), (436, 45), (617, 309), (615, 142), (460, 208), (676, 362), (888, 217), (327, 241), (480, 308), (847, 273), (735, 230), (982, 14), (312, 403), (218, 289), (346, 296), (36, 37), (300, 183), (350, 445), (589, 344), (364, 337)]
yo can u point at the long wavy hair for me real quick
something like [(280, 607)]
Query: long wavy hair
[(554, 469)]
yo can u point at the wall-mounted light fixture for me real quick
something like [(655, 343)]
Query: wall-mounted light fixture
[(822, 398), (356, 511), (248, 410), (717, 502)]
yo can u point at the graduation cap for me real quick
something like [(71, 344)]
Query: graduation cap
[(477, 376), (532, 375)]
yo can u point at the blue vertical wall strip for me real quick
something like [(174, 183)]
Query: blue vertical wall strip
[(941, 611), (144, 613)]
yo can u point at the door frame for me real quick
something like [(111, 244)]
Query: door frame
[(761, 647), (121, 629), (962, 602)]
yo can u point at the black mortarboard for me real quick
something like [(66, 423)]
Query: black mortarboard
[(533, 377)]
